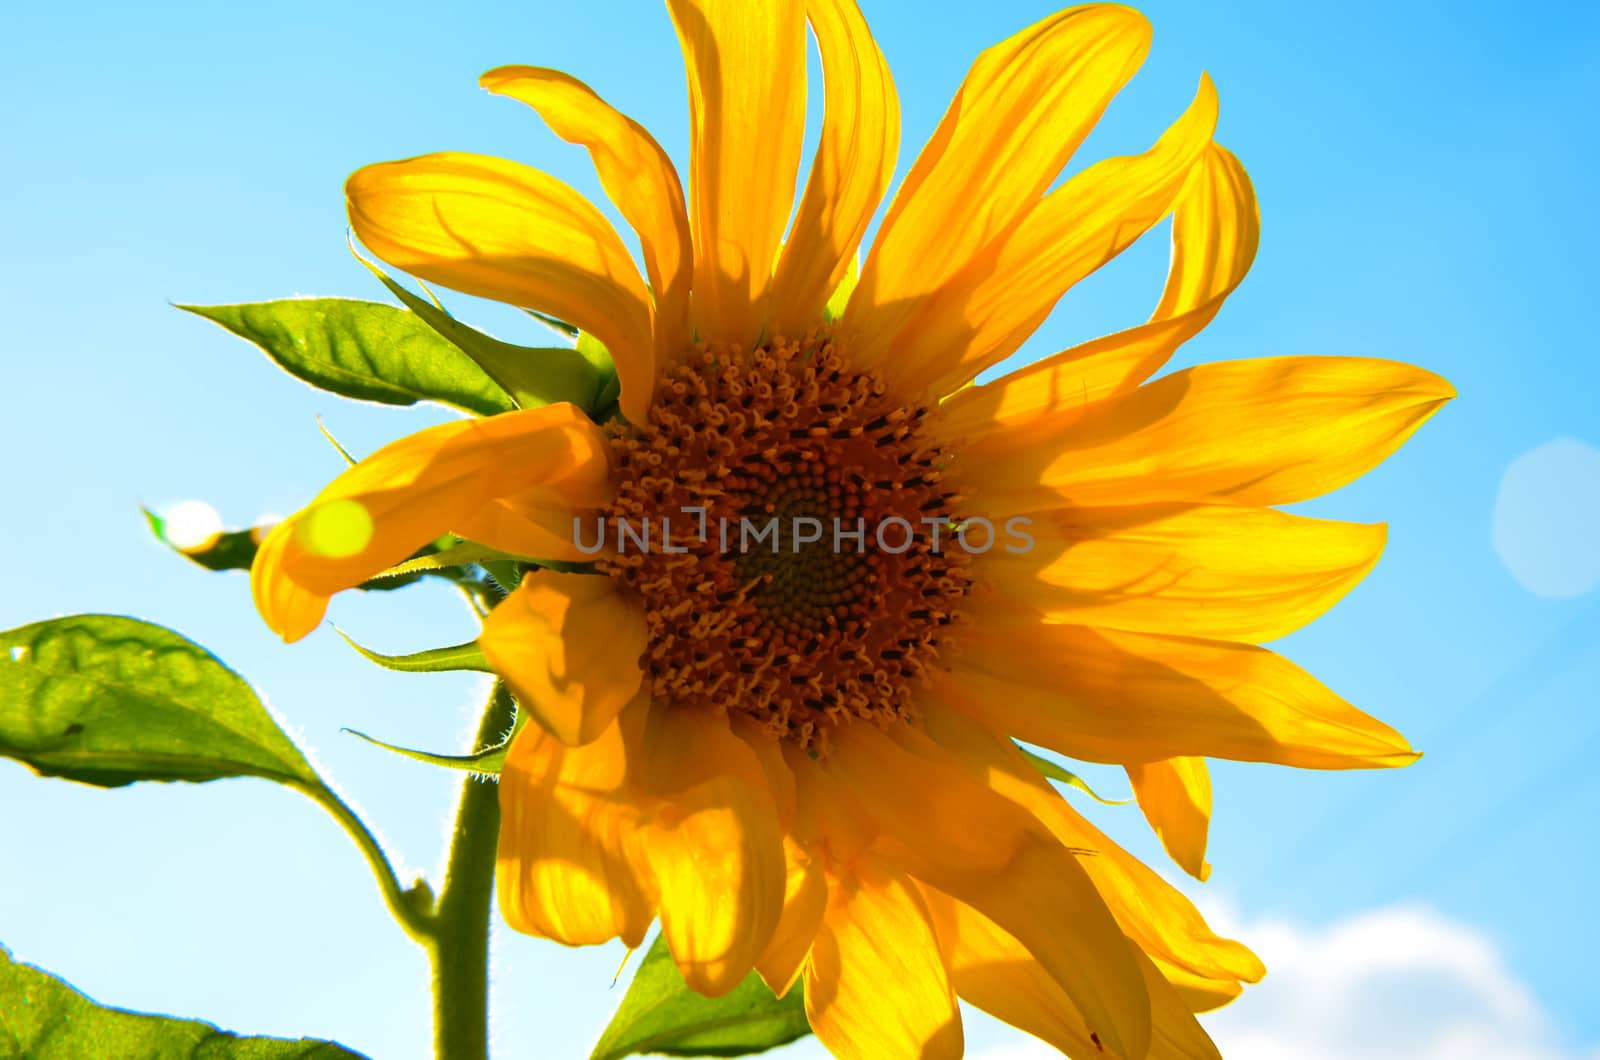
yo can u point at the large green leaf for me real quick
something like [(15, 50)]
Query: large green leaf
[(43, 1018), (107, 700), (364, 350), (660, 1014)]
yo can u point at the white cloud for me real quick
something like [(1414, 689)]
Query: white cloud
[(1400, 983)]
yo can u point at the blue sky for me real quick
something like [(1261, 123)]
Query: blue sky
[(1425, 174)]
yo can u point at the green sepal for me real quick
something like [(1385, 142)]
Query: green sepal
[(556, 324), (661, 1015), (107, 701), (229, 550), (44, 1018), (594, 351), (457, 657), (488, 761), (363, 350), (533, 376), (461, 553), (1051, 771)]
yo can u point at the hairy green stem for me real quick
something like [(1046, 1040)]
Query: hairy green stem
[(455, 928), (458, 935)]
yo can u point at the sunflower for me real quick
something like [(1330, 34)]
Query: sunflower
[(802, 757)]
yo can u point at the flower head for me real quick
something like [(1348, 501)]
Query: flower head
[(799, 754)]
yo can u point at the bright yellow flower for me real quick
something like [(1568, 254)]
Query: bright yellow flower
[(802, 761)]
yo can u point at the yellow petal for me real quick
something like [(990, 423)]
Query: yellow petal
[(1175, 795), (828, 817), (776, 775), (381, 510), (289, 610), (637, 176), (1101, 695), (805, 897), (569, 865), (1215, 230), (970, 842), (1266, 431), (1154, 915), (995, 972), (531, 524), (1245, 574), (1199, 993), (504, 231), (715, 847), (747, 102), (854, 161), (876, 985), (1025, 106), (989, 308), (569, 647)]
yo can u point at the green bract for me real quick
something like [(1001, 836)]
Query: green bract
[(532, 376)]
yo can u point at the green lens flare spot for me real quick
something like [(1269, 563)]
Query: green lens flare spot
[(335, 530)]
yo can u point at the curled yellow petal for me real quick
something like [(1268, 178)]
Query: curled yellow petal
[(445, 478), (1216, 228), (715, 848), (501, 230), (636, 174), (985, 311), (569, 646)]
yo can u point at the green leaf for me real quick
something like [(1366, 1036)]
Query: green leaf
[(43, 1018), (363, 350), (1052, 771), (106, 700), (466, 656), (660, 1014), (534, 376)]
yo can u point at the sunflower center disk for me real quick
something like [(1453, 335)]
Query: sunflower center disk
[(782, 518)]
